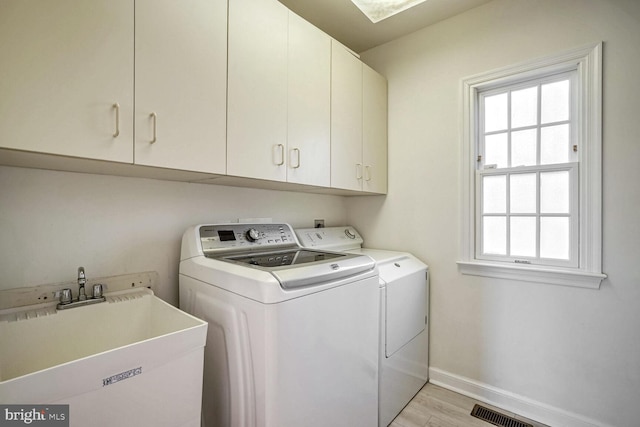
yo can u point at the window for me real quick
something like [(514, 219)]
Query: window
[(532, 171), (527, 172)]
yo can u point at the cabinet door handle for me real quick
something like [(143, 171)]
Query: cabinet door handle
[(358, 170), (116, 107), (281, 162), (297, 151), (367, 173), (154, 117)]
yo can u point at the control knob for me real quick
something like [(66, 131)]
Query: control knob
[(252, 235)]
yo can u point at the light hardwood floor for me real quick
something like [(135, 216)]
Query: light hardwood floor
[(435, 406)]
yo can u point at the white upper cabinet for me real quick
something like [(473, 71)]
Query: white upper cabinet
[(257, 89), (68, 87), (65, 65), (346, 119), (309, 104), (279, 95), (374, 131), (180, 84), (358, 124)]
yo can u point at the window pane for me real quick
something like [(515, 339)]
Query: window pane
[(554, 237), (555, 102), (523, 236), (524, 107), (495, 112), (554, 192), (494, 194), (523, 148), (494, 235), (495, 150), (554, 144), (522, 193)]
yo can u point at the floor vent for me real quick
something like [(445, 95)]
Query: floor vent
[(496, 418)]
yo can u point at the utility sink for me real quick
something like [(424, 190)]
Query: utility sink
[(131, 360)]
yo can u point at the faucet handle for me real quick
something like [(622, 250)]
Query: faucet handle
[(97, 290), (65, 296)]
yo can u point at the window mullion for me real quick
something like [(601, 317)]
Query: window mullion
[(538, 161), (508, 178), (509, 129), (538, 214), (481, 134), (508, 210), (539, 130)]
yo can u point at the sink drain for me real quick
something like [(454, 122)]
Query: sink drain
[(496, 418)]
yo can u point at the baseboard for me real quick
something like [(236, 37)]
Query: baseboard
[(511, 402)]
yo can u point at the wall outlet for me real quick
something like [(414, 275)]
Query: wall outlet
[(318, 223)]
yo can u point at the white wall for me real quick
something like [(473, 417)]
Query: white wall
[(564, 355), (53, 222)]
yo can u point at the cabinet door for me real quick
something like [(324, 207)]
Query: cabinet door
[(374, 131), (180, 76), (65, 64), (257, 89), (346, 119), (309, 104)]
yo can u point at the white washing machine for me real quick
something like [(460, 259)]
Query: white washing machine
[(293, 333), (404, 302)]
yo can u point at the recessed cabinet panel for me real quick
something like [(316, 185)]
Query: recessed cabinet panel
[(374, 131), (180, 76), (346, 119), (257, 90), (65, 64), (309, 104)]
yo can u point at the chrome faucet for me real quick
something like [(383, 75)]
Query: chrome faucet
[(66, 296), (81, 282)]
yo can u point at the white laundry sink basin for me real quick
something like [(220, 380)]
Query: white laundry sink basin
[(132, 360)]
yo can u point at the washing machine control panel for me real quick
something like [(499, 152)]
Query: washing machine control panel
[(217, 238)]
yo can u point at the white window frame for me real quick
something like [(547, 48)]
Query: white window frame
[(587, 61)]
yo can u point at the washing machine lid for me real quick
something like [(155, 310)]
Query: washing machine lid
[(272, 248), (302, 268), (295, 257)]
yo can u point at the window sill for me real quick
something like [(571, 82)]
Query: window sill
[(553, 276)]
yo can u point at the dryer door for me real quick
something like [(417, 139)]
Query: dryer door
[(406, 301)]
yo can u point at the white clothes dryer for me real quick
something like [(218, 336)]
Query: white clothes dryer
[(293, 334), (404, 302)]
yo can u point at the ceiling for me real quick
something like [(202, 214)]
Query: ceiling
[(346, 23)]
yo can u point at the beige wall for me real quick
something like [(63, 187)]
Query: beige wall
[(568, 356)]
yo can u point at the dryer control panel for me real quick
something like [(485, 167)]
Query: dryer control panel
[(330, 238), (220, 238)]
